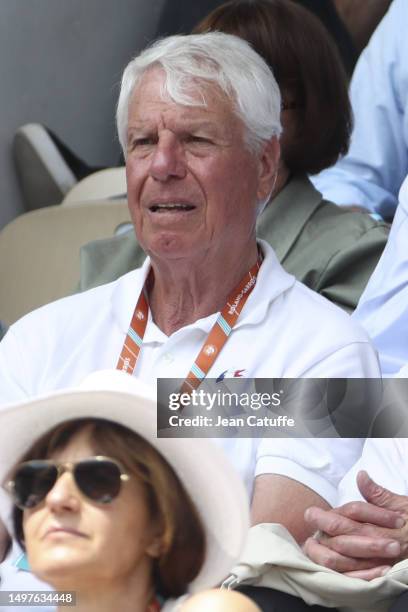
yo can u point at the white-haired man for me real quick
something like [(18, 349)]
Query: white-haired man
[(198, 119)]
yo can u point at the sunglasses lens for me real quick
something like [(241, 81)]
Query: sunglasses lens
[(98, 479), (32, 482)]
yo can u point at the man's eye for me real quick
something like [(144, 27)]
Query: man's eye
[(140, 142), (197, 139)]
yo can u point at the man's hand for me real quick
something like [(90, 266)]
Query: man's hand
[(361, 539)]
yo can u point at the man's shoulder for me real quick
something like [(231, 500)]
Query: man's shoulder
[(303, 334), (71, 305), (307, 308), (56, 345), (302, 308), (75, 308)]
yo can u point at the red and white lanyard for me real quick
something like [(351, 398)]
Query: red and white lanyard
[(213, 343)]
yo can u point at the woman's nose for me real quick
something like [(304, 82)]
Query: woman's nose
[(64, 495)]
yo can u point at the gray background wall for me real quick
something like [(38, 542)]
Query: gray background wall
[(60, 64)]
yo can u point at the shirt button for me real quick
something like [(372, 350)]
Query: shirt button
[(168, 358)]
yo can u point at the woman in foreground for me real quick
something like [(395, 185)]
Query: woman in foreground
[(109, 512)]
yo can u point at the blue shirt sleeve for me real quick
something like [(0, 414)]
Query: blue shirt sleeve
[(372, 172)]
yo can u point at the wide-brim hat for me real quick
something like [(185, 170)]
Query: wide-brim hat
[(205, 471)]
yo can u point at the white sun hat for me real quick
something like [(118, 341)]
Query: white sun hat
[(203, 468)]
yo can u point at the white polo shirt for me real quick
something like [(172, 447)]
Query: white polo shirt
[(284, 330)]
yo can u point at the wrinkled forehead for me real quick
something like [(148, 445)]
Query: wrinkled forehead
[(155, 84)]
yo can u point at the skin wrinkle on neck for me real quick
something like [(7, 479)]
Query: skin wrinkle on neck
[(182, 293)]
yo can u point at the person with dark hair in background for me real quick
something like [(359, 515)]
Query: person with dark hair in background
[(181, 18), (330, 249), (47, 168)]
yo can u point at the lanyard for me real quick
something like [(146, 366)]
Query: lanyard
[(214, 342)]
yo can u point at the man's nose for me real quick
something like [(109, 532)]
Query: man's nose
[(64, 495), (168, 160)]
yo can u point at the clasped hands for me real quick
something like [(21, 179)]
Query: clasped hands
[(362, 539)]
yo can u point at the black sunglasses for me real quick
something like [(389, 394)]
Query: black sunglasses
[(98, 478)]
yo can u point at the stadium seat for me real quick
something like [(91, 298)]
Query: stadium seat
[(39, 252)]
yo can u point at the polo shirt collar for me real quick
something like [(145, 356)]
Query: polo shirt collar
[(272, 282)]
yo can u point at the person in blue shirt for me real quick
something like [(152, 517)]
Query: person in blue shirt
[(382, 309), (371, 173)]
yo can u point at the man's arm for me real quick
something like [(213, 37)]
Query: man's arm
[(294, 473), (278, 499)]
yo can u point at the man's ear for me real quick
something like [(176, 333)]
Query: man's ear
[(268, 164)]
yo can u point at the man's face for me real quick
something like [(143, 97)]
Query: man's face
[(193, 186)]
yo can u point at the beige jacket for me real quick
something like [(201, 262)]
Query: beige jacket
[(273, 559)]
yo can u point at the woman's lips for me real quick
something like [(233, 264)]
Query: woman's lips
[(63, 531)]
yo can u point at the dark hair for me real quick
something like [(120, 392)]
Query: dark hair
[(307, 67), (183, 535)]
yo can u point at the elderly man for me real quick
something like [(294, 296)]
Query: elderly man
[(198, 119)]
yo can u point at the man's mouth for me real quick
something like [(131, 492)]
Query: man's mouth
[(171, 207)]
